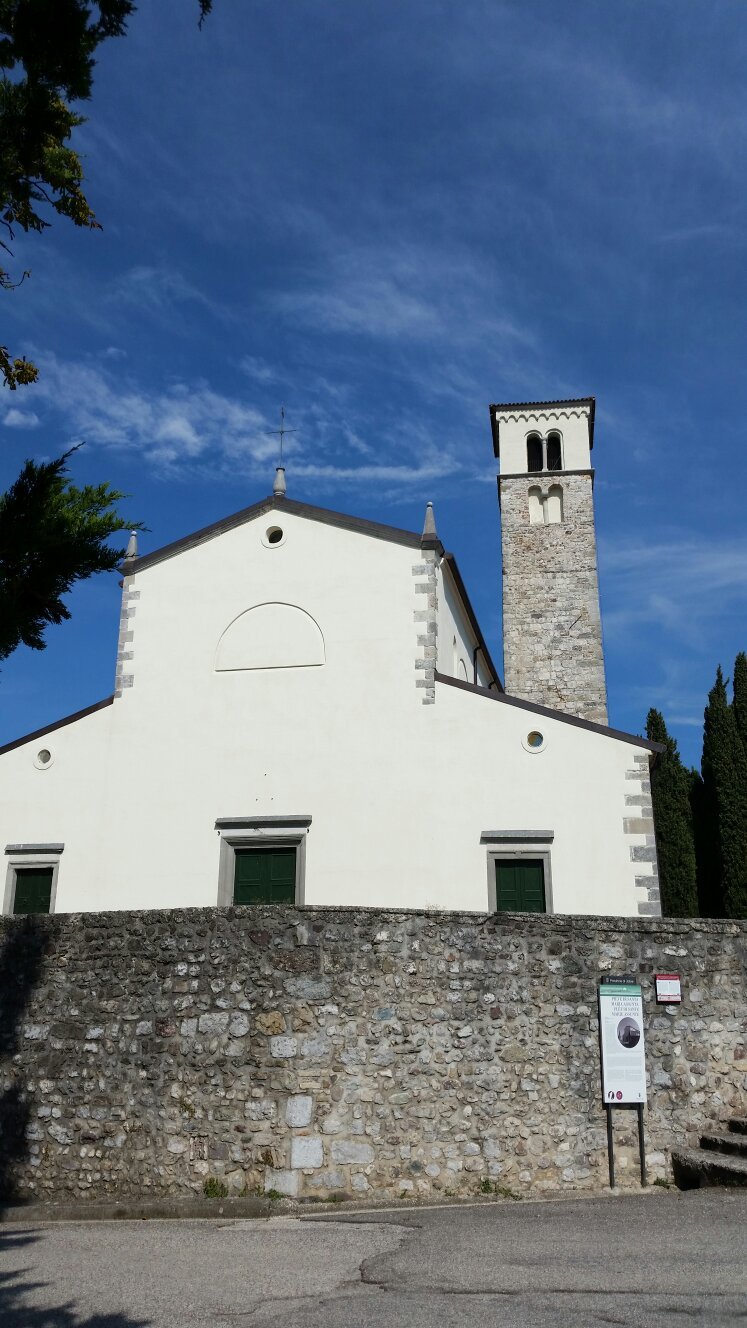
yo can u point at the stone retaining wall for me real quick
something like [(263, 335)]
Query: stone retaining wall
[(314, 1051)]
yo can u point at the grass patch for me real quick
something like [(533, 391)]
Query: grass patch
[(501, 1191), (214, 1188)]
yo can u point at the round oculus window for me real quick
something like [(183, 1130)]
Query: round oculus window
[(43, 758), (534, 741), (274, 535)]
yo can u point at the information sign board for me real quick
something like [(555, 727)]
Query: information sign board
[(622, 1043), (668, 989)]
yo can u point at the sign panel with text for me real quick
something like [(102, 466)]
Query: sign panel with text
[(668, 989), (622, 1043)]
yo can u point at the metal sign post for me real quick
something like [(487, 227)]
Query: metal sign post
[(623, 1059)]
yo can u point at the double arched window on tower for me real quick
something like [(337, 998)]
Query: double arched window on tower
[(544, 453), (545, 507)]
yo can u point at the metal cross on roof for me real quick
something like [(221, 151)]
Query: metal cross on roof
[(281, 432)]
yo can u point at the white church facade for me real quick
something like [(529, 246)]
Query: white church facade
[(306, 711)]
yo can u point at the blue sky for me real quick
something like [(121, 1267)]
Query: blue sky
[(386, 215)]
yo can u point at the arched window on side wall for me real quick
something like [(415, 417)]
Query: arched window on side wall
[(534, 452)]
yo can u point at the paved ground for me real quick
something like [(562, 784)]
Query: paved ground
[(663, 1260)]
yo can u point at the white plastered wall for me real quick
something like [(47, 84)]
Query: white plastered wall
[(399, 793), (571, 422), (456, 637)]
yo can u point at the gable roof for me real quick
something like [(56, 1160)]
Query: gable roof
[(323, 514), (58, 724), (358, 525)]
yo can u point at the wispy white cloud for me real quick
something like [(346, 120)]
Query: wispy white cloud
[(180, 423), (161, 290), (710, 231), (405, 292), (190, 429), (432, 469), (258, 369), (676, 599), (664, 581), (602, 86), (21, 419)]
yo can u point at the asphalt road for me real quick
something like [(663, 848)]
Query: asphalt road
[(659, 1259)]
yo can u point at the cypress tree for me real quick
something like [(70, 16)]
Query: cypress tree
[(707, 855), (739, 704), (675, 846), (725, 784)]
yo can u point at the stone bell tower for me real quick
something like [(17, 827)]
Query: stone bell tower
[(552, 630)]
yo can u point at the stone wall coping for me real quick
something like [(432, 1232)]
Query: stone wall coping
[(511, 923)]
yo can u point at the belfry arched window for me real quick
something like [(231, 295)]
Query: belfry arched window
[(552, 443), (544, 453), (534, 452)]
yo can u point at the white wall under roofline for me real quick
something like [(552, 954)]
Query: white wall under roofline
[(514, 428), (399, 793)]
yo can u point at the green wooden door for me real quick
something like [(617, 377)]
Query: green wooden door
[(265, 876), (33, 890), (520, 885)]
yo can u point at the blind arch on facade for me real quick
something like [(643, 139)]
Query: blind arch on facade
[(271, 636)]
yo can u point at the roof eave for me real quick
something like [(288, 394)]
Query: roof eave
[(540, 405), (472, 616), (326, 516), (58, 724), (591, 725)]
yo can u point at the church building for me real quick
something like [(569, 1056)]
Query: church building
[(305, 710)]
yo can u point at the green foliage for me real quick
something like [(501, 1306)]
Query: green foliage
[(214, 1188), (675, 846), (707, 855), (739, 704), (492, 1187), (724, 770), (273, 1194), (52, 534), (47, 58)]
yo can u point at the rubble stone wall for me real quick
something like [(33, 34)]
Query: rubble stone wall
[(552, 630), (313, 1052)]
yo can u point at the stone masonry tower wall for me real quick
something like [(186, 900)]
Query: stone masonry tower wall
[(552, 630)]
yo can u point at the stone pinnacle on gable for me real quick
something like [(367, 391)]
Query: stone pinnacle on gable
[(429, 525)]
